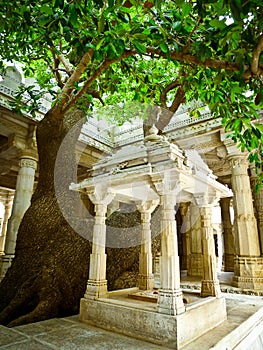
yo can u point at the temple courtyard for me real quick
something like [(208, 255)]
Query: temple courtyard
[(202, 288)]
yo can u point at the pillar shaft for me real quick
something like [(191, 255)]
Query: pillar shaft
[(258, 205), (170, 300), (245, 226), (97, 283), (248, 264), (8, 206), (210, 283), (146, 277), (195, 267), (185, 234), (229, 242), (22, 199)]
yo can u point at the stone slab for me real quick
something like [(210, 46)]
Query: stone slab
[(149, 325)]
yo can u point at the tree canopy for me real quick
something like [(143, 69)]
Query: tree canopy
[(153, 51)]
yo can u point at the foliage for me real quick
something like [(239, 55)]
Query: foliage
[(161, 52)]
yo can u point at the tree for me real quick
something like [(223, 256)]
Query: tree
[(84, 51)]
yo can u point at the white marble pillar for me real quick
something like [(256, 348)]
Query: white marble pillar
[(22, 199), (97, 283), (170, 297), (146, 277), (7, 205), (248, 265), (229, 242), (185, 234), (247, 241), (210, 284), (258, 205), (195, 266)]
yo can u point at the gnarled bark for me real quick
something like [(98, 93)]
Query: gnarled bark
[(49, 272)]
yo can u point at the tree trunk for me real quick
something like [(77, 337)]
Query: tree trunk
[(49, 272)]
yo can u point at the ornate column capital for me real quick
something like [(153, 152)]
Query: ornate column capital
[(239, 164), (28, 163), (147, 206), (100, 195), (206, 199), (28, 159), (167, 182)]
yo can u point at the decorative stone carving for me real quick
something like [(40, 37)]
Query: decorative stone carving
[(97, 283), (28, 163), (7, 205), (146, 277), (229, 242), (245, 226), (23, 194), (210, 283)]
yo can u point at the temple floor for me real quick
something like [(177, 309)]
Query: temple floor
[(245, 315)]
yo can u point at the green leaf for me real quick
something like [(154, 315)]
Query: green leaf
[(186, 9), (259, 126), (146, 31), (177, 25), (217, 24), (73, 18), (46, 9), (100, 43), (164, 47), (140, 48)]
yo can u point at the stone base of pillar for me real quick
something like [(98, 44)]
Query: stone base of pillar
[(195, 264), (96, 289), (229, 262), (170, 302), (146, 282), (6, 261), (210, 288), (248, 273)]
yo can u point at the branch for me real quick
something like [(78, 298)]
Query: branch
[(166, 117), (165, 91), (179, 98), (96, 94), (256, 55), (54, 69), (187, 58), (75, 76), (190, 35), (66, 64), (104, 65)]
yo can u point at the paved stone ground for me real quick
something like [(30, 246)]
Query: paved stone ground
[(69, 334)]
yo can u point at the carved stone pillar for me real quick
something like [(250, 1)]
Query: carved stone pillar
[(248, 267), (22, 199), (8, 205), (195, 267), (229, 242), (97, 283), (146, 277), (185, 232), (210, 284), (258, 205), (170, 299)]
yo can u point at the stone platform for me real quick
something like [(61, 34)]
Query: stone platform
[(140, 319)]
